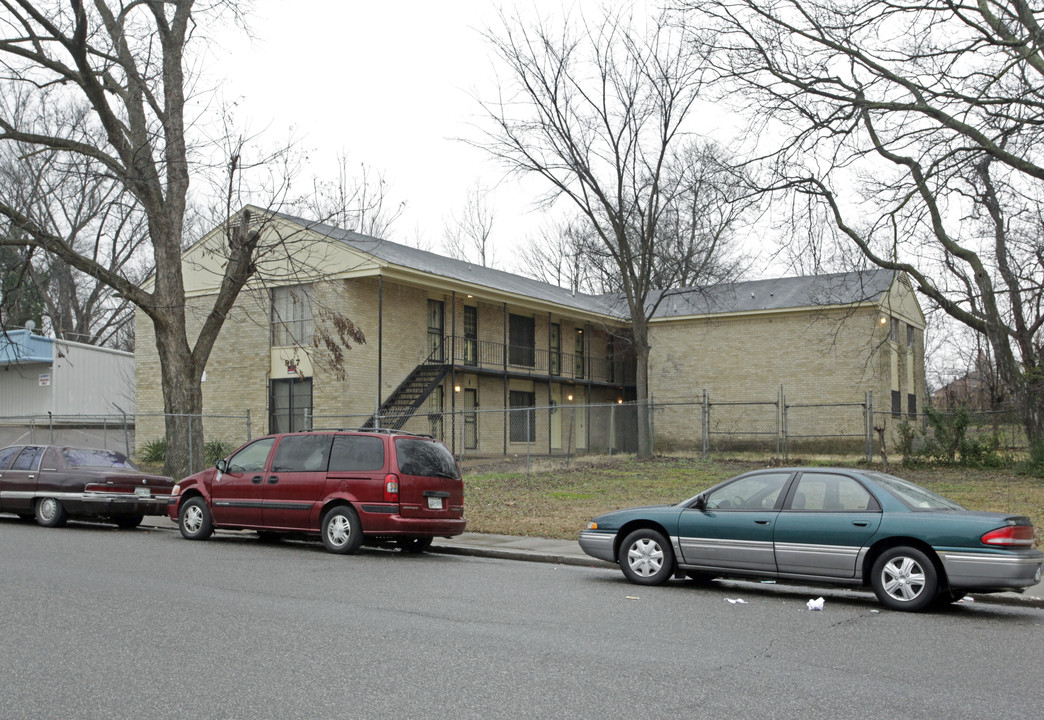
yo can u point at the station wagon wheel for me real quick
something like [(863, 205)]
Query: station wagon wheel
[(904, 578), (194, 520), (414, 544), (341, 531), (50, 513), (646, 557)]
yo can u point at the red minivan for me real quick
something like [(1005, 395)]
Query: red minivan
[(350, 486)]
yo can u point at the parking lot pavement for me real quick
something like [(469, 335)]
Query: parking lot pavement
[(568, 552)]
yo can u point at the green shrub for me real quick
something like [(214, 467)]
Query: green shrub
[(1034, 464), (215, 450), (155, 451)]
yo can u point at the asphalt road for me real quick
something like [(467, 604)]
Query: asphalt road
[(101, 623)]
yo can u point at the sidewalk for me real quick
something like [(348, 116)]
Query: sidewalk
[(568, 552)]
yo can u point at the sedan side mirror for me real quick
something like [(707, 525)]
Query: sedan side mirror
[(701, 502)]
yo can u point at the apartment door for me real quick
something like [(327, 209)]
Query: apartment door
[(436, 329)]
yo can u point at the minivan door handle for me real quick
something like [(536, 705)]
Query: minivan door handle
[(256, 479), (273, 479)]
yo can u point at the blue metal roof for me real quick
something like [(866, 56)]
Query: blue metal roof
[(18, 347)]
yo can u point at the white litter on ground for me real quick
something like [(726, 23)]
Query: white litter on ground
[(816, 604), (737, 601)]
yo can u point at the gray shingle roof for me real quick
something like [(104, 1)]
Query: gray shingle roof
[(747, 296), (777, 294)]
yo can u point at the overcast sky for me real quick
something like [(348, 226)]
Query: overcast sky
[(389, 85)]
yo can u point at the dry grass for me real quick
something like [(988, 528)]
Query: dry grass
[(557, 501)]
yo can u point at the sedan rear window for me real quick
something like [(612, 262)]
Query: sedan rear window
[(423, 457), (89, 457), (913, 496)]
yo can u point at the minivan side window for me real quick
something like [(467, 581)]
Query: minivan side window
[(251, 458), (354, 453), (302, 453)]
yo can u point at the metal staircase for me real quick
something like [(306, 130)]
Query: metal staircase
[(414, 390)]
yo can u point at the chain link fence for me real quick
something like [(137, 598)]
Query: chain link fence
[(707, 426)]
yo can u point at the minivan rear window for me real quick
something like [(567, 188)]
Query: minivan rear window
[(424, 457)]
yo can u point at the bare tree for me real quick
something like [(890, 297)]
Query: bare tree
[(121, 68), (358, 202), (563, 254), (918, 127), (600, 110), (467, 234), (75, 200)]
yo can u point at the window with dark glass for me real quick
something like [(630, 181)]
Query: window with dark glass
[(26, 459), (436, 328), (302, 453), (426, 458), (356, 453), (897, 403), (523, 416), (470, 335), (290, 405), (580, 356), (911, 405), (521, 340), (6, 454)]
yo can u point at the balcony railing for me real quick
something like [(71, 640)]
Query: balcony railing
[(517, 359)]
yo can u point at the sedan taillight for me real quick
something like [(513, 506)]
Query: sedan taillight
[(1010, 536), (391, 488)]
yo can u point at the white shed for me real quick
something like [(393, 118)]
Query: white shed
[(41, 375)]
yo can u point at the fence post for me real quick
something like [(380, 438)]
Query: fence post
[(869, 426), (705, 411), (652, 424), (50, 428), (249, 432), (612, 427), (126, 435)]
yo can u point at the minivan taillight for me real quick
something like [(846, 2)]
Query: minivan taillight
[(1010, 536), (391, 488)]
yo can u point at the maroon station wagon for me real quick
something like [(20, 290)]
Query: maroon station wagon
[(349, 486)]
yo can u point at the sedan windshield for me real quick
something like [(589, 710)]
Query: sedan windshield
[(913, 496)]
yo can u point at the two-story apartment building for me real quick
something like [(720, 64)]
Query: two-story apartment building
[(498, 363)]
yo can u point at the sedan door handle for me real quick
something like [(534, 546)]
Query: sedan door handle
[(273, 479), (861, 523), (762, 522), (256, 479)]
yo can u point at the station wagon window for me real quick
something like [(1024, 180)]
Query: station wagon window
[(302, 453), (251, 458), (423, 457), (26, 459), (753, 492), (6, 454), (355, 453), (831, 493)]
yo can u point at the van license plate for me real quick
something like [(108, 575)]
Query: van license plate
[(434, 503), (142, 492)]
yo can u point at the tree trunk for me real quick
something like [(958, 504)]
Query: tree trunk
[(641, 356), (182, 403)]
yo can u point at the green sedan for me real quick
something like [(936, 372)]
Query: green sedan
[(824, 525)]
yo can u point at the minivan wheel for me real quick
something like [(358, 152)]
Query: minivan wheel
[(194, 520), (414, 544), (341, 531), (50, 513)]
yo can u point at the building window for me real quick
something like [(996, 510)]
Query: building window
[(897, 403), (555, 346), (580, 356), (290, 405), (894, 331), (470, 335), (911, 406), (523, 416), (521, 341), (436, 328), (292, 316)]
